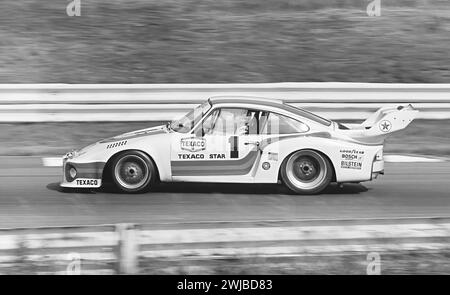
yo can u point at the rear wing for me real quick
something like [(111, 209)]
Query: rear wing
[(383, 122)]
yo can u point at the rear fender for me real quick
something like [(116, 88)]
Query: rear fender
[(336, 150)]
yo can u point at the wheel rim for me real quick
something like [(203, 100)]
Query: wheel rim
[(306, 169), (132, 172)]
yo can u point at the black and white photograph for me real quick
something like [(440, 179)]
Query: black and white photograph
[(224, 143)]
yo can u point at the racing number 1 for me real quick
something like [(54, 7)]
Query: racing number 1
[(234, 147)]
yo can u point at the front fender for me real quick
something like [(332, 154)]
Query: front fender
[(97, 156)]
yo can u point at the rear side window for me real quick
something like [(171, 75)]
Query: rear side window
[(279, 124), (307, 115)]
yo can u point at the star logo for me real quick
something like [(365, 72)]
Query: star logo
[(385, 126)]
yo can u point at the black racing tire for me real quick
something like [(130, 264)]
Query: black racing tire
[(133, 172), (306, 172)]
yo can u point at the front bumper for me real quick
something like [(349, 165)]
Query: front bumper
[(88, 175)]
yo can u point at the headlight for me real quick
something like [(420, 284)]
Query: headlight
[(71, 173)]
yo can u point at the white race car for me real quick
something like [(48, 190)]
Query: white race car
[(240, 140)]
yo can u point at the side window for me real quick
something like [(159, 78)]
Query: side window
[(231, 121), (279, 124)]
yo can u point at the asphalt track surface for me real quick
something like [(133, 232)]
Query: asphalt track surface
[(30, 196)]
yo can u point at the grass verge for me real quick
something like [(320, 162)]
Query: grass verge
[(228, 41)]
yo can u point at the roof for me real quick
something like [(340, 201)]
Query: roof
[(246, 99), (262, 101)]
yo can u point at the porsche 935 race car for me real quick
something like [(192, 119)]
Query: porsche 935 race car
[(240, 140)]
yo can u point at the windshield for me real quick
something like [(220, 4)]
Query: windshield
[(187, 122)]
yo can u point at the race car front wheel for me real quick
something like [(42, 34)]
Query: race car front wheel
[(133, 172), (306, 172)]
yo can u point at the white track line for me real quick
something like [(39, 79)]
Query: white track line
[(57, 161), (410, 159), (52, 162)]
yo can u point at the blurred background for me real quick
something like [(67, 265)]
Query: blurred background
[(227, 41), (203, 41)]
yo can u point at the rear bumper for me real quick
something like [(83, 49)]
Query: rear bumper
[(377, 169)]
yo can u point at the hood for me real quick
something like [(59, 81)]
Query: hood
[(138, 133), (134, 134)]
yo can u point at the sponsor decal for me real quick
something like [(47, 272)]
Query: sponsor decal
[(87, 182), (200, 156), (385, 126), (116, 144), (190, 156), (351, 159), (193, 144), (217, 156)]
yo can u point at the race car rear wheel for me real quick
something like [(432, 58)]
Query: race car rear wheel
[(306, 172), (133, 172)]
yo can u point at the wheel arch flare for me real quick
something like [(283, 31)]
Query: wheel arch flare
[(106, 172), (314, 150)]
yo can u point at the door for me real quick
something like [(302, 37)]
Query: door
[(223, 147)]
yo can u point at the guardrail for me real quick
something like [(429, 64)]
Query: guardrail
[(161, 102), (132, 249)]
